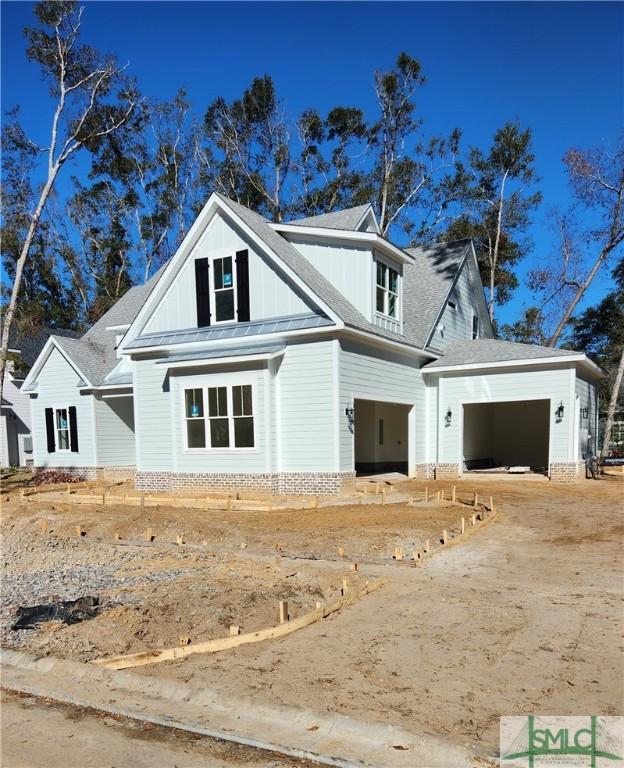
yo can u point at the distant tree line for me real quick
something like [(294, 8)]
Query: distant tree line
[(145, 168)]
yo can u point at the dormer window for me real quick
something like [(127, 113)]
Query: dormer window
[(387, 291)]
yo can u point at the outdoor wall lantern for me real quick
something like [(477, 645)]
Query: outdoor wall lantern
[(560, 411), (585, 413), (447, 417), (350, 414)]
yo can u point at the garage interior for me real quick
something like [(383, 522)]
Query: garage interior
[(503, 435), (381, 437)]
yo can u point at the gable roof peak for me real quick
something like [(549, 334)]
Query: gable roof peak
[(348, 219)]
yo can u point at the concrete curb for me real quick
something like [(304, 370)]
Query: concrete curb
[(329, 739)]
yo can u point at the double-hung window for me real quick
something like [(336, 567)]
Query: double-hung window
[(224, 289), (62, 429), (219, 417), (387, 290), (195, 422)]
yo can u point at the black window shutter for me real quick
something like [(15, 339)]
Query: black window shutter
[(49, 417), (73, 429), (202, 292), (242, 285)]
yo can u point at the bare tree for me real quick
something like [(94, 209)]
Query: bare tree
[(93, 99), (597, 178), (606, 442)]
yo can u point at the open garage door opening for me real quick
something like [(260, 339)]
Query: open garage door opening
[(506, 437), (381, 437)]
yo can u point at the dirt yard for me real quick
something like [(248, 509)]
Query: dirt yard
[(523, 616)]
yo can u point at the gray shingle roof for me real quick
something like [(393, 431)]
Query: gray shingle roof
[(493, 351), (94, 353), (31, 344), (94, 360), (347, 219), (318, 283), (426, 284)]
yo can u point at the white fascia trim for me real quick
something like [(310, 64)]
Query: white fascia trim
[(481, 293), (511, 364), (368, 238), (366, 214), (220, 360), (199, 346), (41, 361), (383, 342), (106, 387), (123, 327)]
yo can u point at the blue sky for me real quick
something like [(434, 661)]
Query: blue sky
[(557, 67)]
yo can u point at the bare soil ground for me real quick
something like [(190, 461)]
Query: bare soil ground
[(525, 616)]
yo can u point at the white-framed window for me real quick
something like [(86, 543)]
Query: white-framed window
[(219, 417), (386, 290), (194, 415), (475, 325), (61, 425), (223, 289)]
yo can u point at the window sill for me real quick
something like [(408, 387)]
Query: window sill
[(219, 451)]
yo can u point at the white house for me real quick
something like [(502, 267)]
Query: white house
[(289, 356), (15, 438)]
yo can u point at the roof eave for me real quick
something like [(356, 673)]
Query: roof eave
[(326, 233), (556, 359)]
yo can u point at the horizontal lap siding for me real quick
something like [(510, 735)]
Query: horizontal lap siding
[(306, 405), (553, 384), (152, 416), (378, 375), (115, 432), (57, 387), (587, 437)]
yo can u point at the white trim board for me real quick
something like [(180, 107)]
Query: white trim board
[(326, 233), (573, 358)]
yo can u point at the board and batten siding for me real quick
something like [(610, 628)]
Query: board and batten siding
[(57, 387), (306, 400), (371, 373), (269, 293), (114, 418), (348, 268), (457, 323), (512, 384)]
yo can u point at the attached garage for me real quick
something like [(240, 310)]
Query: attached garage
[(506, 434), (381, 436), (502, 404)]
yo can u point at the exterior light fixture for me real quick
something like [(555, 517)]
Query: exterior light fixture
[(560, 411), (448, 417), (585, 413), (350, 414)]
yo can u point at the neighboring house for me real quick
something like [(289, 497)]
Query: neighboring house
[(15, 438), (289, 356)]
